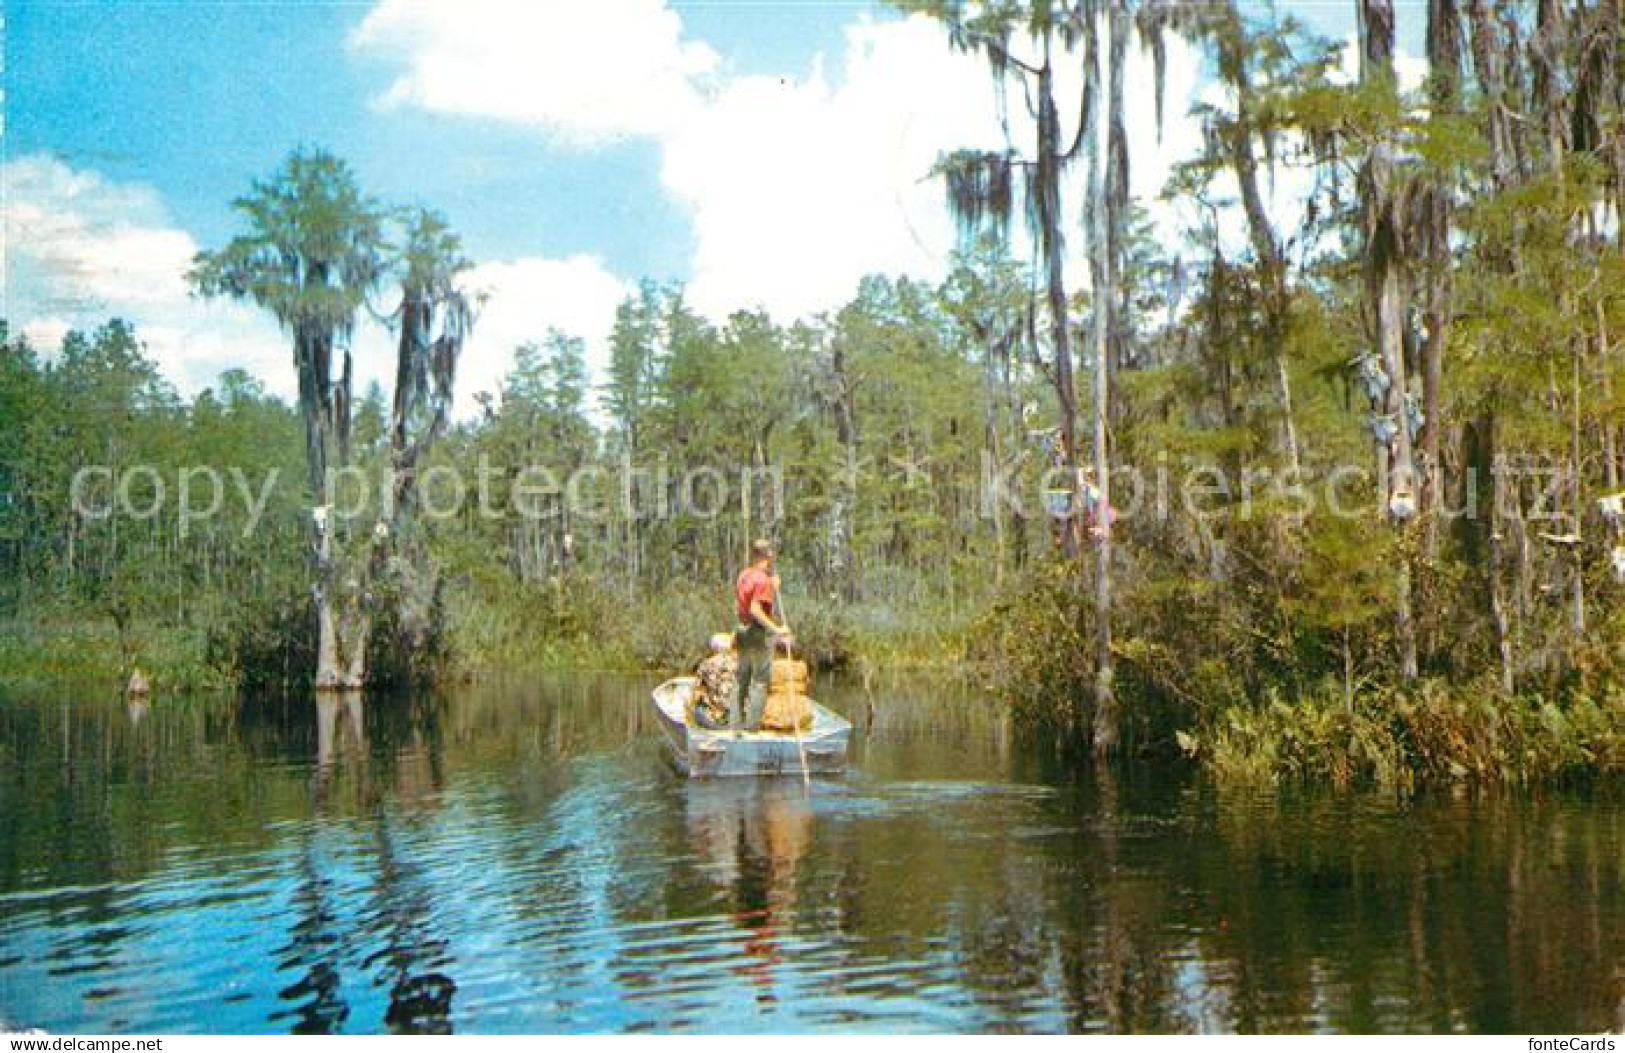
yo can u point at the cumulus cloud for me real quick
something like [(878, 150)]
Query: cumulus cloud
[(81, 250), (799, 187), (584, 73), (796, 185), (520, 301)]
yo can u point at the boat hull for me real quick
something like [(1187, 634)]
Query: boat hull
[(699, 753)]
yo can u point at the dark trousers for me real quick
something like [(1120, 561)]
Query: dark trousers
[(752, 677)]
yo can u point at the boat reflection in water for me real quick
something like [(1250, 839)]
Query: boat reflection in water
[(515, 857), (749, 836)]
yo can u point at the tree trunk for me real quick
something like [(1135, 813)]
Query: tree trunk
[(1048, 189), (1507, 613), (1273, 265), (1522, 569), (844, 512), (1109, 195), (1444, 48), (1436, 318), (1547, 47), (1610, 446), (330, 668), (1012, 415), (993, 445), (1384, 297), (1498, 603), (355, 672), (313, 354), (1613, 15)]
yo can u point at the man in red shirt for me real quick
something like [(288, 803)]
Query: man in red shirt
[(756, 593)]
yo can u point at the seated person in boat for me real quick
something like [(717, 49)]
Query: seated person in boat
[(714, 684), (756, 593)]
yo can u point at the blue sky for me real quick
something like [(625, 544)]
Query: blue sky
[(196, 98), (766, 153)]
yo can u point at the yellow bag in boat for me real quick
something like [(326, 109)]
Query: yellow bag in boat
[(787, 711), (788, 673)]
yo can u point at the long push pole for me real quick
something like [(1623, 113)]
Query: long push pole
[(795, 722)]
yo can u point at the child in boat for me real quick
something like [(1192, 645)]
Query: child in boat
[(715, 683)]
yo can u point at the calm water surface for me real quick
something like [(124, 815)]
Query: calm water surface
[(516, 858)]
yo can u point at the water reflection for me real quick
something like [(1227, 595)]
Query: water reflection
[(408, 960), (516, 858), (412, 960), (313, 953), (339, 728), (331, 736), (749, 836)]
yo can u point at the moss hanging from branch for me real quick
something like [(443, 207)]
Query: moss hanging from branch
[(980, 194)]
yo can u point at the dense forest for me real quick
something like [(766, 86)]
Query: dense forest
[(1330, 492)]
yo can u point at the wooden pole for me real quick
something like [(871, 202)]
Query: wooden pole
[(795, 722)]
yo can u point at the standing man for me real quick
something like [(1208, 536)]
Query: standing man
[(756, 592)]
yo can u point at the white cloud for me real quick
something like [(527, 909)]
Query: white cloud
[(523, 298), (1410, 70), (796, 185), (800, 186), (81, 250), (583, 72)]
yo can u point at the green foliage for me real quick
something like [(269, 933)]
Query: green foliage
[(494, 623), (1032, 647), (1257, 627), (1441, 734), (671, 631), (313, 251), (161, 585)]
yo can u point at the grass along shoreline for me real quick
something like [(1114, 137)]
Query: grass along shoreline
[(1440, 733)]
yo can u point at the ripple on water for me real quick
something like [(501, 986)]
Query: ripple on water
[(529, 867)]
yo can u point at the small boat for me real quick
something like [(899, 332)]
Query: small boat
[(701, 753)]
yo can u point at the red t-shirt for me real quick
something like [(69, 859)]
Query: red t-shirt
[(753, 584)]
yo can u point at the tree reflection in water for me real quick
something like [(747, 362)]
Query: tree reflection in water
[(513, 857), (387, 936)]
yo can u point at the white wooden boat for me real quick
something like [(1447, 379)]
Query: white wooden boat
[(701, 753)]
